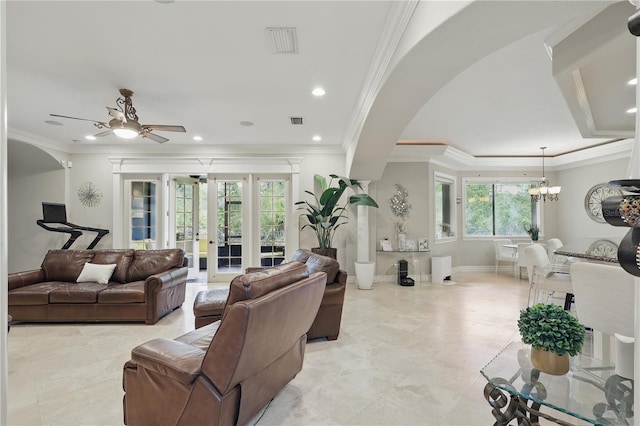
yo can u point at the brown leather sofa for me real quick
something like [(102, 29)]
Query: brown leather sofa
[(225, 372), (145, 286)]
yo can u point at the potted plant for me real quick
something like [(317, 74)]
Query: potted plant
[(533, 231), (553, 334), (325, 213)]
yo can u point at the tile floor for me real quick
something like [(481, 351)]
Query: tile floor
[(405, 356)]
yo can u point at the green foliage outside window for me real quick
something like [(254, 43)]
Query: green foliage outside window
[(498, 209)]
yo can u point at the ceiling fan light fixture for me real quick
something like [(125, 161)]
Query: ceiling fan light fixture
[(125, 133)]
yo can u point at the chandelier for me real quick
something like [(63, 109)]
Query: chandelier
[(543, 191)]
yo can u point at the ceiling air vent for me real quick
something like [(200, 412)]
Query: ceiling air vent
[(296, 121), (282, 39)]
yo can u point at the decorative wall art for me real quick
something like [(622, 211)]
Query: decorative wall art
[(89, 195)]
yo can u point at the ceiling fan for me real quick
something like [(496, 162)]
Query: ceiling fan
[(125, 122)]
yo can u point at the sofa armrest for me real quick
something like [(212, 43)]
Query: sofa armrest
[(22, 279), (251, 269), (341, 278), (176, 360), (164, 280)]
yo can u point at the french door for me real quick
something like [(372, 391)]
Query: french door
[(228, 227), (249, 225), (185, 199)]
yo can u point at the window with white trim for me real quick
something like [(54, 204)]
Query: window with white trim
[(498, 208)]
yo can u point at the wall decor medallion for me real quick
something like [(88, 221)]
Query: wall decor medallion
[(594, 198), (89, 195)]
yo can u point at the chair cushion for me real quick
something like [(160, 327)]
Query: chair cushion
[(76, 293), (65, 265), (301, 255), (149, 262), (123, 293), (122, 258), (318, 263), (210, 302), (34, 294)]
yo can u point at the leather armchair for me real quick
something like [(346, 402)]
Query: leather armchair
[(327, 322), (225, 372)]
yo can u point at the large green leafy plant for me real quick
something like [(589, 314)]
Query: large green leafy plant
[(325, 213), (551, 328)]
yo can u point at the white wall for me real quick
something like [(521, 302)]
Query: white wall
[(96, 169), (28, 242), (415, 178)]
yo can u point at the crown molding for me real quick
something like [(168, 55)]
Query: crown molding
[(397, 21), (451, 157)]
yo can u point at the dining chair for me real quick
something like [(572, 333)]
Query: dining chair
[(546, 279), (504, 254), (522, 259), (552, 245), (604, 296)]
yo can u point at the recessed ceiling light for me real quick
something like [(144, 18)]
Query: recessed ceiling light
[(318, 91), (632, 110), (633, 81), (90, 138), (54, 123), (197, 138), (246, 123), (317, 138)]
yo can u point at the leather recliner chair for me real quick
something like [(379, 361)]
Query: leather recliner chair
[(225, 372), (329, 317)]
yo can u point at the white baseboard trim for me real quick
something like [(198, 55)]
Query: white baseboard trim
[(426, 278)]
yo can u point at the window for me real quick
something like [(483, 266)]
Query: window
[(444, 202), (495, 209), (272, 222), (184, 213)]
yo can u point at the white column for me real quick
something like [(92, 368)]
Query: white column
[(362, 247)]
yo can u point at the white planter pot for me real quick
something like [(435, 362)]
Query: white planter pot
[(364, 274)]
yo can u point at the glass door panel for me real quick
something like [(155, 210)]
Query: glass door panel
[(186, 221), (272, 222), (143, 215), (229, 227)]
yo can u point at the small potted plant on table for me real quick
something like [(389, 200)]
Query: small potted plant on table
[(533, 231), (553, 334)]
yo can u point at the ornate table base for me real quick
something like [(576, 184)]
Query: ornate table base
[(515, 408)]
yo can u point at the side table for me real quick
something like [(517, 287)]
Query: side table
[(590, 391)]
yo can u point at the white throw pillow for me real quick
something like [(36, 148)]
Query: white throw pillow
[(94, 273)]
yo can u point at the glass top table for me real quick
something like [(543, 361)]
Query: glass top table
[(590, 391)]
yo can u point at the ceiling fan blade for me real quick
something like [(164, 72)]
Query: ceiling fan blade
[(76, 118), (105, 133), (156, 138), (164, 128)]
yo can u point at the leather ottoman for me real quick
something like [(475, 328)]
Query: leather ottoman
[(208, 306)]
